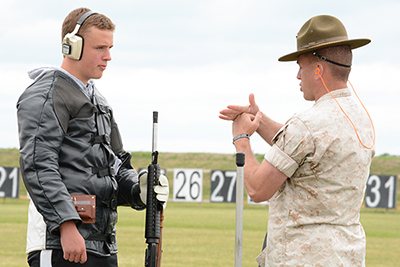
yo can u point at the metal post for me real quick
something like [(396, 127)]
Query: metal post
[(240, 160)]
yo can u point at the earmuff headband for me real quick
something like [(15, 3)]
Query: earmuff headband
[(81, 21), (72, 46), (85, 16)]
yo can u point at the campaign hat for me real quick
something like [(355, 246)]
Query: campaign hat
[(320, 32)]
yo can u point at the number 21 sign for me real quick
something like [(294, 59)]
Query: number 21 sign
[(9, 182)]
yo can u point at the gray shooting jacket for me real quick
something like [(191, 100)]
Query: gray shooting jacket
[(68, 145)]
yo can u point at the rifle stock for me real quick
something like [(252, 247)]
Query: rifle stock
[(159, 245), (153, 209)]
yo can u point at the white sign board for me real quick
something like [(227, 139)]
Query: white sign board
[(188, 185)]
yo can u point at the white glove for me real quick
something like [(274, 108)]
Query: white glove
[(161, 190), (143, 187)]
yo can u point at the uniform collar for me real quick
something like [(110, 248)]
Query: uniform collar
[(336, 94)]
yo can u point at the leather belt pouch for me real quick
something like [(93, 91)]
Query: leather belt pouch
[(86, 207)]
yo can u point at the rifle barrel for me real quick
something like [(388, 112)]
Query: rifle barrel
[(155, 131)]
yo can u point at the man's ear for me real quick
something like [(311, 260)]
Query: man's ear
[(319, 71)]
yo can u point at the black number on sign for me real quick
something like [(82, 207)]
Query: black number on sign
[(183, 184), (194, 183)]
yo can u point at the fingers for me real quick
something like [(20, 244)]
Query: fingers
[(77, 257), (162, 190), (226, 118), (163, 181), (162, 193), (246, 123), (83, 258), (74, 249), (253, 108), (143, 187), (72, 243), (231, 112), (252, 100), (258, 117)]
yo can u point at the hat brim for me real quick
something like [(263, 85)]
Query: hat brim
[(355, 43)]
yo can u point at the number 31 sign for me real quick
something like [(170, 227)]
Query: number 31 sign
[(381, 192)]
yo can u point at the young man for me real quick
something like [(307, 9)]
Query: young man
[(316, 171), (70, 145)]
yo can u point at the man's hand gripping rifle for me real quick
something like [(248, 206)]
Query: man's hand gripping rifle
[(156, 201)]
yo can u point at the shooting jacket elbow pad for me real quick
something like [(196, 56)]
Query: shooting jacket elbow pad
[(125, 158)]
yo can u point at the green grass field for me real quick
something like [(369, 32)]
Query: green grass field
[(197, 234), (200, 234)]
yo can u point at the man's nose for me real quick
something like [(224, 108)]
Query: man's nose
[(107, 55)]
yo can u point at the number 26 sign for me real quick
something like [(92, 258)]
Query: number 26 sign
[(188, 185)]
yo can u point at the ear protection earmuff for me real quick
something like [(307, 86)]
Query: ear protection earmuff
[(72, 45)]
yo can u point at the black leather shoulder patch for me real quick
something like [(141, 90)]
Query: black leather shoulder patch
[(70, 102)]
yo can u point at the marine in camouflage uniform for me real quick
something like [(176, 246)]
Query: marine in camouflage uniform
[(316, 171)]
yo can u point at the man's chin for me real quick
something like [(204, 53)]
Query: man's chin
[(98, 76)]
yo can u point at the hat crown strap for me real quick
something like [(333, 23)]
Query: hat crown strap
[(330, 61), (322, 42)]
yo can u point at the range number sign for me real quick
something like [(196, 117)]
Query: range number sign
[(9, 182), (223, 186), (381, 191), (188, 185)]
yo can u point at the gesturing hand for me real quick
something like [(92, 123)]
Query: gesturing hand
[(232, 111), (72, 243), (246, 123)]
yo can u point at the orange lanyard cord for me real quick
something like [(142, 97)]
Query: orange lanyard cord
[(372, 124)]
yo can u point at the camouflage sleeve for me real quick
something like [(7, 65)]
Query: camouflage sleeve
[(292, 145)]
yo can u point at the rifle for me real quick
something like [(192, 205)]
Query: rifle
[(154, 210)]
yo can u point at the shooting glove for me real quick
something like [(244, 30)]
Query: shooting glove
[(161, 190)]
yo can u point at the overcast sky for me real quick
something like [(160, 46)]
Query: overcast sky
[(190, 59)]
